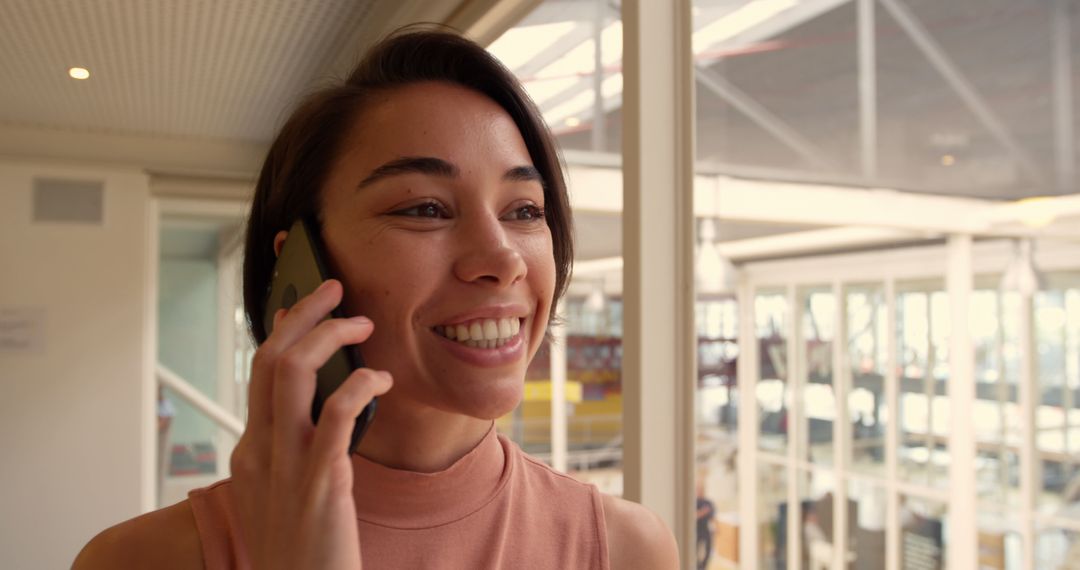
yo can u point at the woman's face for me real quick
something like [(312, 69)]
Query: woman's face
[(433, 219)]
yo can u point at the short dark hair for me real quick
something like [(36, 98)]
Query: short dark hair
[(306, 147)]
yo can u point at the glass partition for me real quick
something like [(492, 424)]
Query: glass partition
[(772, 516), (868, 412), (1057, 329), (817, 397), (922, 322), (771, 391)]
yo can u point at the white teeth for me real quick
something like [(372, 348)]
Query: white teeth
[(483, 333)]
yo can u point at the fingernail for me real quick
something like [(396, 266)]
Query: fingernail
[(360, 320), (324, 285)]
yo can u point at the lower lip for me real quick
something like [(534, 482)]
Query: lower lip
[(508, 353)]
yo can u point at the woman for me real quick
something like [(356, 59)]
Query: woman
[(444, 211)]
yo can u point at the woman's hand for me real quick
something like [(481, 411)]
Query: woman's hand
[(292, 481)]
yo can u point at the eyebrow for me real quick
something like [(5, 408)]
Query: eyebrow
[(431, 166)]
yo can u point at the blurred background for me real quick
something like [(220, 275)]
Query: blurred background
[(887, 227)]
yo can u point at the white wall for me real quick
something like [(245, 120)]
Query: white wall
[(72, 413)]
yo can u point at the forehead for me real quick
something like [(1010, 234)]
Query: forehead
[(436, 119)]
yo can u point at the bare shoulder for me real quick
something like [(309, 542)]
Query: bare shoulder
[(637, 538), (166, 539)]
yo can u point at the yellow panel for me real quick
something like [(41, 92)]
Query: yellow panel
[(540, 391)]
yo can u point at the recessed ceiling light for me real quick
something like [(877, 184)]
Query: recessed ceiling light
[(573, 122), (948, 160), (79, 73)]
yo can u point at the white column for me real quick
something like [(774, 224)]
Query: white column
[(1028, 401), (748, 371), (892, 432), (798, 428), (842, 435), (659, 340), (558, 390), (962, 551)]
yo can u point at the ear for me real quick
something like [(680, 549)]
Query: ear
[(279, 240)]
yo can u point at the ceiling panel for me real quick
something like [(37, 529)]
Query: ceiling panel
[(198, 68)]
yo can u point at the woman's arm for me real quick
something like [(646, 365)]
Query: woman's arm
[(165, 539), (637, 538)]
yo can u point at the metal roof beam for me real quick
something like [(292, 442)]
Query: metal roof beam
[(960, 84)]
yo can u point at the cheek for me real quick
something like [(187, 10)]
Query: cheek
[(384, 278), (541, 263), (540, 259)]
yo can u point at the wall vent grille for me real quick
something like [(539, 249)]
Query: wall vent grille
[(69, 201)]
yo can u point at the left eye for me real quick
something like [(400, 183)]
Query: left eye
[(527, 213), (428, 210)]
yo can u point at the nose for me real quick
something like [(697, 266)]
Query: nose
[(487, 257)]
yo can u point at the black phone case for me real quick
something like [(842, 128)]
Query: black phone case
[(300, 270)]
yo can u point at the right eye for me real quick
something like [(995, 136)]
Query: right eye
[(425, 210)]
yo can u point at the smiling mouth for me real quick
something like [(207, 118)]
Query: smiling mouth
[(482, 333)]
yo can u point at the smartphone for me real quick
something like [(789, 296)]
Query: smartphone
[(299, 270)]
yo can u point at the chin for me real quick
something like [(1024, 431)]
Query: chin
[(492, 401)]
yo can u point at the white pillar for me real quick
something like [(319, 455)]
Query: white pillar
[(659, 339), (1027, 400), (798, 427), (892, 431), (842, 444), (962, 551), (748, 372)]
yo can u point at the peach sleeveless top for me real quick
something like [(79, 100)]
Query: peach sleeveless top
[(494, 508)]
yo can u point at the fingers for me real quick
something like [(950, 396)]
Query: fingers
[(289, 326), (297, 368), (340, 410), (305, 314)]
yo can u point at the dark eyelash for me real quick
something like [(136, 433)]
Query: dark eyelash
[(442, 213), (537, 212)]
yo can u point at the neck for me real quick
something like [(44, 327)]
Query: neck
[(421, 439)]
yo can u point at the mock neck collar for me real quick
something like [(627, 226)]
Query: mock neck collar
[(404, 499)]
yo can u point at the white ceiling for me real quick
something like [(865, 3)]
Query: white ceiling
[(197, 68)]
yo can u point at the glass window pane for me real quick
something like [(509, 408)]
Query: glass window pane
[(999, 539), (817, 494), (867, 354), (772, 516), (818, 400), (716, 414), (995, 417), (922, 323), (1057, 327), (771, 390), (1057, 549), (866, 543)]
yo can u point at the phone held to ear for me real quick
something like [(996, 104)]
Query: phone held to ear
[(299, 270)]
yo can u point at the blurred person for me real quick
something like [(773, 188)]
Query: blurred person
[(706, 512)]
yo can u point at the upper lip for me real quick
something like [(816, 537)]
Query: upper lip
[(498, 311)]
